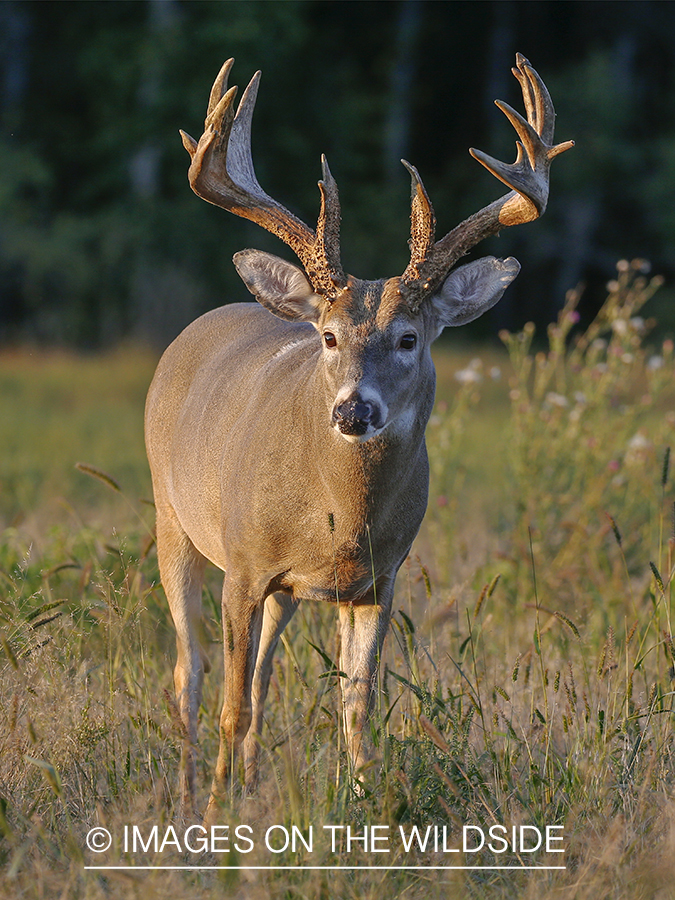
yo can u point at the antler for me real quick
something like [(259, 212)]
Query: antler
[(528, 178), (222, 173)]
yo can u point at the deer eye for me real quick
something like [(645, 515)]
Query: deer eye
[(408, 342), (329, 339)]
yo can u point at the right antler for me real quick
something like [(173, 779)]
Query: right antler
[(528, 177), (222, 173)]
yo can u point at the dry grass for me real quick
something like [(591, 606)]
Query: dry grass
[(527, 678)]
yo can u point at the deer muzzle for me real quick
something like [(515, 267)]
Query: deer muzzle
[(357, 418)]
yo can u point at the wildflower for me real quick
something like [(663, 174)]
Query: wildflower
[(471, 374), (639, 442), (559, 400), (468, 376), (637, 449), (654, 363)]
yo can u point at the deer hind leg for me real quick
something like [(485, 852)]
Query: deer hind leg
[(279, 610), (242, 623), (363, 627), (181, 568)]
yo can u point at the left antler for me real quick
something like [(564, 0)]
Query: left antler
[(528, 178)]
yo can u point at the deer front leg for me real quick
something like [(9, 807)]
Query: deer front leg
[(242, 621), (279, 610), (363, 626), (181, 569)]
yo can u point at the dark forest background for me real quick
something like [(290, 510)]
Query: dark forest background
[(102, 239)]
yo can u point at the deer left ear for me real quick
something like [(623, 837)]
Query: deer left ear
[(472, 289)]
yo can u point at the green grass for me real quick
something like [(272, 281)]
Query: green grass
[(57, 410), (527, 679)]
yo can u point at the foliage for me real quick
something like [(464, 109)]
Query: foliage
[(100, 236)]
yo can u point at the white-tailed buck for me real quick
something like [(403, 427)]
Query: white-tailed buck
[(286, 437)]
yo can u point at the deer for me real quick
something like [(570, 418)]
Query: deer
[(286, 438)]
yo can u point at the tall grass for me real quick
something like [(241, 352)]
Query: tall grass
[(527, 679)]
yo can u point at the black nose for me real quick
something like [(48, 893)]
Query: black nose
[(353, 416)]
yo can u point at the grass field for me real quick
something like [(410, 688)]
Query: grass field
[(527, 680)]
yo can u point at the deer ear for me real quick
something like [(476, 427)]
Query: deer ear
[(471, 290), (280, 286)]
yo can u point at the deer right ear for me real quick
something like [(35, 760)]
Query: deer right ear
[(281, 287), (472, 289)]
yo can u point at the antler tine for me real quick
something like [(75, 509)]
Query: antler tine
[(219, 88), (240, 161), (528, 178), (218, 91), (328, 226), (537, 100), (222, 173), (422, 222)]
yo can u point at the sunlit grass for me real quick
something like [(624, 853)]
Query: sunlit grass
[(57, 409), (527, 678)]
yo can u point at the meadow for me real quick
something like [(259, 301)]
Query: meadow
[(527, 681)]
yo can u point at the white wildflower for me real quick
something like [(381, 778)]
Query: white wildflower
[(637, 449), (468, 376), (471, 374), (639, 441), (559, 400)]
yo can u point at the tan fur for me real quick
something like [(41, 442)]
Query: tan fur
[(249, 474)]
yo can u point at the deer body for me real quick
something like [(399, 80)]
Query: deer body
[(286, 443), (236, 389)]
